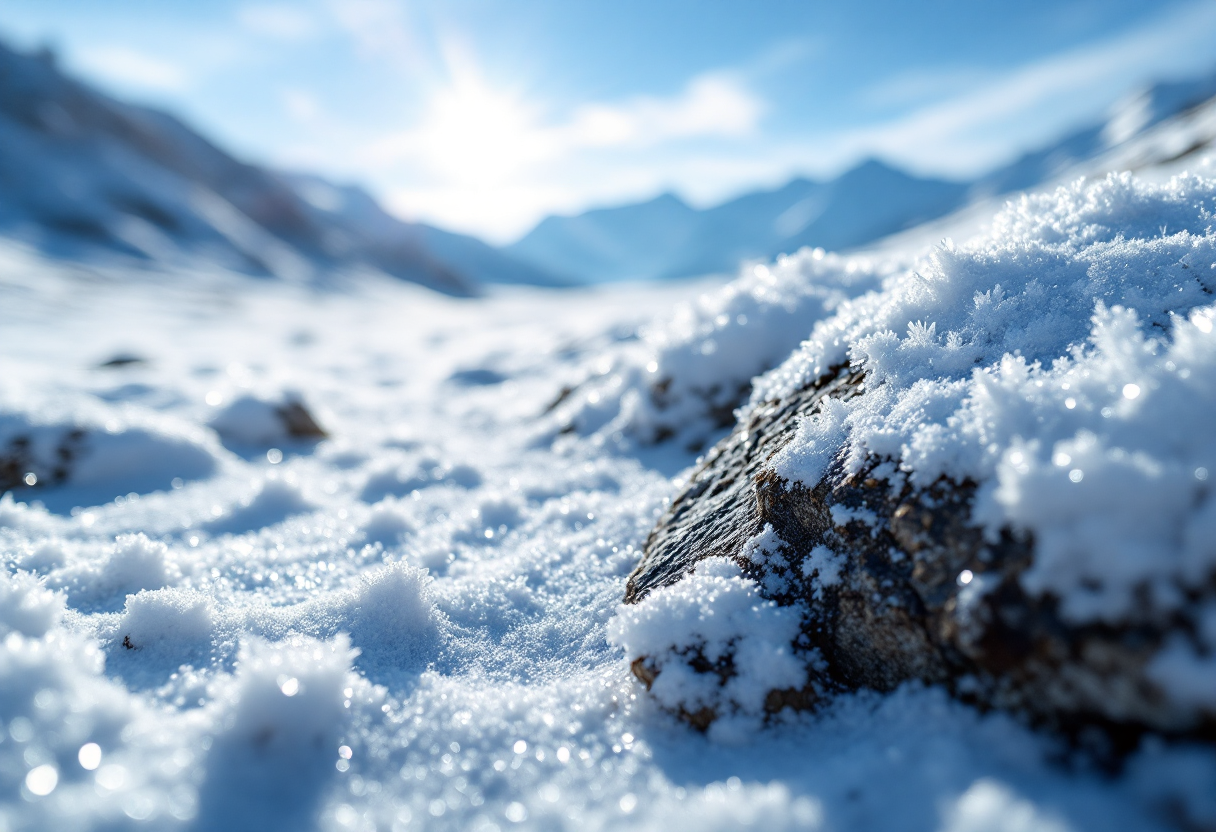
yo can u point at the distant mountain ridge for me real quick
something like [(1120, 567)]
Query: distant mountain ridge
[(861, 206), (85, 175), (666, 238)]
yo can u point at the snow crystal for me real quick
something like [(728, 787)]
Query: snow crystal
[(825, 565), (761, 548)]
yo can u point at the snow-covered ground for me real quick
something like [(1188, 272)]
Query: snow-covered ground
[(216, 626)]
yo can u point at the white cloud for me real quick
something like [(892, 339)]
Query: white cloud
[(923, 85), (302, 106), (711, 105), (473, 132), (382, 28), (127, 67), (278, 20)]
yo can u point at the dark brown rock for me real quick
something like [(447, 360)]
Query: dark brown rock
[(22, 466), (922, 595), (298, 422)]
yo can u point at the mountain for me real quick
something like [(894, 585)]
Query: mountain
[(85, 175), (665, 238), (613, 243), (362, 225), (870, 201)]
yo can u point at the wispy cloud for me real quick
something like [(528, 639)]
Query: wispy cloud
[(921, 86), (128, 67), (713, 104), (490, 159), (279, 21), (384, 29)]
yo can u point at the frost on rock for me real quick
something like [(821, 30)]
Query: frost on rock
[(684, 380), (994, 472), (713, 649)]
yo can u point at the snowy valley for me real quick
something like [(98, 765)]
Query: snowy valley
[(321, 547)]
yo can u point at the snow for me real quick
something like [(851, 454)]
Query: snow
[(683, 376), (416, 622), (715, 615)]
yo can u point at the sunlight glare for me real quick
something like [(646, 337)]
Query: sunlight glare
[(476, 134)]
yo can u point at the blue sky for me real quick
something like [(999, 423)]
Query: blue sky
[(483, 116)]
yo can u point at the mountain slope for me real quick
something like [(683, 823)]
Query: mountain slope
[(84, 175), (1131, 118)]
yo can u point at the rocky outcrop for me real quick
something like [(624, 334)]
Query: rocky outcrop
[(900, 584)]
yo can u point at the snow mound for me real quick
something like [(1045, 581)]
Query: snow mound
[(392, 618), (1066, 362), (713, 645), (100, 452), (690, 372), (279, 743), (260, 420), (26, 606), (167, 620), (131, 564), (274, 499)]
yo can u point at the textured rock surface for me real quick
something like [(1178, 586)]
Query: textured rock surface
[(915, 592)]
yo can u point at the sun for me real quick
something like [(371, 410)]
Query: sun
[(475, 134)]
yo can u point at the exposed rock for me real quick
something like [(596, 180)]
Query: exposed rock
[(122, 359), (900, 584), (258, 421), (299, 422), (22, 463)]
